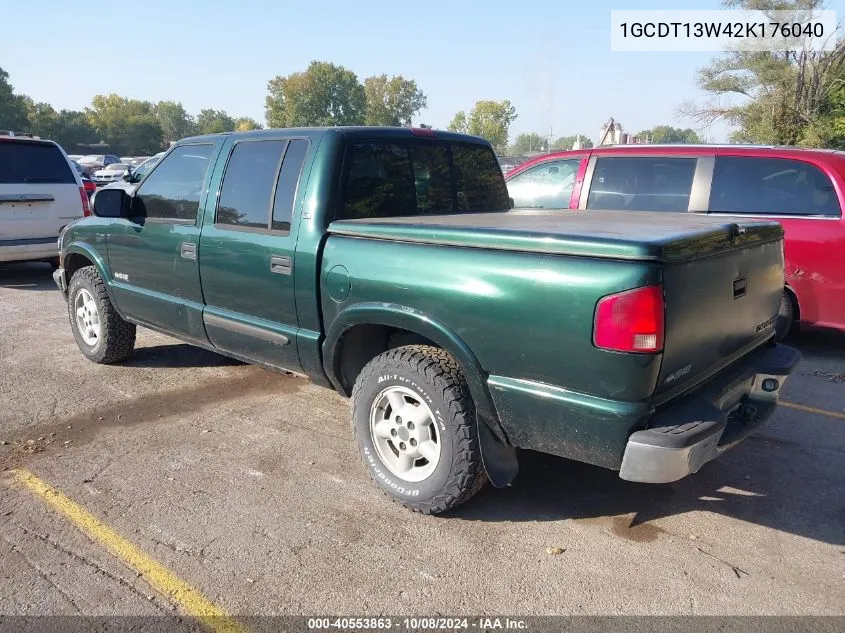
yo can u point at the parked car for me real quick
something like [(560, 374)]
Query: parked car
[(135, 175), (40, 194), (87, 183), (113, 173), (803, 189), (387, 263), (93, 162)]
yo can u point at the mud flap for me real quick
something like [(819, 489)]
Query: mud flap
[(499, 459)]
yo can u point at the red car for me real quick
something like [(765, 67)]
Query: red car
[(803, 189)]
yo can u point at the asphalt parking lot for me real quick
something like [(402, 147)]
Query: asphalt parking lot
[(247, 487)]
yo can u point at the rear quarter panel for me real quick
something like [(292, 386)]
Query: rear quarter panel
[(528, 319)]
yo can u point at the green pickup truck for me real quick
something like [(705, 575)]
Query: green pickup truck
[(388, 264)]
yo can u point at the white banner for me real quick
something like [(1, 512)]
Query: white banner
[(722, 30)]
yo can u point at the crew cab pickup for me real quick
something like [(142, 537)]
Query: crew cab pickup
[(389, 265)]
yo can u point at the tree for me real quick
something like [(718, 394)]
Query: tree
[(142, 136), (72, 129), (668, 134), (68, 128), (214, 121), (489, 119), (771, 97), (525, 143), (174, 121), (392, 101), (568, 142), (42, 118), (128, 126), (459, 123), (245, 124), (324, 94), (13, 114), (828, 130)]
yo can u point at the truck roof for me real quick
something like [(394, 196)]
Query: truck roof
[(351, 131)]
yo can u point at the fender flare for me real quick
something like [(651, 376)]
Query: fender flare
[(80, 248), (498, 455)]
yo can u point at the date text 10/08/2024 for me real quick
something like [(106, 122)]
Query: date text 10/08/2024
[(418, 623)]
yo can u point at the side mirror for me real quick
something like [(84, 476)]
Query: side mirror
[(127, 177), (110, 203)]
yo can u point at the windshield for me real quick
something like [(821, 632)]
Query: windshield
[(406, 178)]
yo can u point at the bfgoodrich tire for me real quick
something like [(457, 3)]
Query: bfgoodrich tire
[(100, 332), (785, 320), (415, 424)]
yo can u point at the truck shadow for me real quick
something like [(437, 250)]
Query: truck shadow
[(782, 478), (27, 276), (818, 342), (785, 488), (177, 355)]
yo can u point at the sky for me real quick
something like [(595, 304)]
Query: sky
[(551, 59)]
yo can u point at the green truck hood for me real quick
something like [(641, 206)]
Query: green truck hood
[(667, 237)]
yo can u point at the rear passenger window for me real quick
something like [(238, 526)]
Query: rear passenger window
[(771, 186), (247, 187), (641, 183), (22, 162), (288, 181)]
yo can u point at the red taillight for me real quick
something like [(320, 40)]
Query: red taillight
[(631, 321), (86, 208)]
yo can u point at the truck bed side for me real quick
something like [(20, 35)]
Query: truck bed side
[(527, 318)]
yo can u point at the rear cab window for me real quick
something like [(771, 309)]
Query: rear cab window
[(642, 183), (771, 186), (24, 162), (387, 178)]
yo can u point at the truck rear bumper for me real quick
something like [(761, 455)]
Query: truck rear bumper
[(699, 427)]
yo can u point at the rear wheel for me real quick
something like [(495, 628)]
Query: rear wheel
[(415, 424), (100, 332), (785, 319)]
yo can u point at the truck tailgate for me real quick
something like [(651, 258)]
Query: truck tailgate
[(720, 306)]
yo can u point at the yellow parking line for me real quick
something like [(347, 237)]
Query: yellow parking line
[(804, 407), (158, 576)]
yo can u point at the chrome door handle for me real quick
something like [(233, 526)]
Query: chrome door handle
[(188, 250), (280, 265)]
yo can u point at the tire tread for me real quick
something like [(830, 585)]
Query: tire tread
[(118, 335), (442, 371)]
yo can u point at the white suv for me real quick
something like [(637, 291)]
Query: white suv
[(40, 193)]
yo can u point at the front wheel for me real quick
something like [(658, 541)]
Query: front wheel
[(415, 424), (100, 332)]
